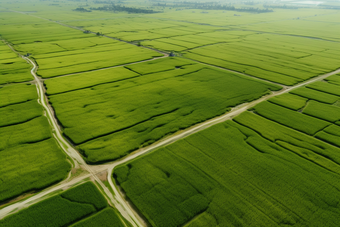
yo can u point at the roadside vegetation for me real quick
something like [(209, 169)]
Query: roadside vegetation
[(197, 110), (147, 106), (82, 205), (267, 166), (31, 158)]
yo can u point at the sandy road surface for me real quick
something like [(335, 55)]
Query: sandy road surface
[(128, 214), (118, 199)]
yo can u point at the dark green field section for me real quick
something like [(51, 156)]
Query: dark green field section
[(235, 175), (141, 110), (275, 165), (84, 202), (12, 68), (30, 157)]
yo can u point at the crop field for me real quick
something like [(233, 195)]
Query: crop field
[(284, 60), (78, 206), (169, 113), (59, 50), (12, 68), (306, 27), (271, 165), (182, 90), (31, 159)]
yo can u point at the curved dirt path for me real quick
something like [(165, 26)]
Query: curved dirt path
[(70, 151), (79, 162), (194, 129)]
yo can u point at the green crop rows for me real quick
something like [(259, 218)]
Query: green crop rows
[(12, 68), (121, 82), (182, 90), (82, 202), (31, 159), (219, 175)]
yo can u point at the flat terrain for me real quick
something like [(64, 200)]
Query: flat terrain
[(31, 159), (269, 166), (83, 205), (169, 113), (142, 107)]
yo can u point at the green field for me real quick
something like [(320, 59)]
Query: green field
[(31, 158), (171, 87), (231, 175), (190, 93), (273, 166), (12, 68), (83, 205)]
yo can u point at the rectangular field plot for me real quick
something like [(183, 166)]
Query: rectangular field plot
[(231, 175), (83, 205), (141, 110), (282, 59), (12, 67), (60, 50), (31, 159), (314, 29), (91, 57)]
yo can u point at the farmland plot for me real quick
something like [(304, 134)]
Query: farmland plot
[(31, 159), (234, 175), (143, 109), (12, 68), (60, 50), (83, 205), (277, 164), (281, 59)]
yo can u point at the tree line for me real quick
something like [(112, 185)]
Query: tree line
[(119, 8)]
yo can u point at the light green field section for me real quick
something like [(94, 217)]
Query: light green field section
[(60, 50), (290, 101), (12, 67), (31, 159), (83, 205), (17, 93), (281, 59), (305, 28), (144, 109)]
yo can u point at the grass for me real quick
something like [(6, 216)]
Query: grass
[(285, 60), (32, 131), (289, 101), (335, 79), (12, 68), (89, 79), (19, 113), (292, 119), (305, 146), (315, 95), (89, 193), (229, 174), (323, 111), (31, 167), (67, 208), (31, 158), (167, 102), (105, 218), (17, 93), (325, 87)]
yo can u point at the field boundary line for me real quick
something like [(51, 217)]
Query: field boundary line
[(243, 74), (204, 125), (118, 202), (111, 67)]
